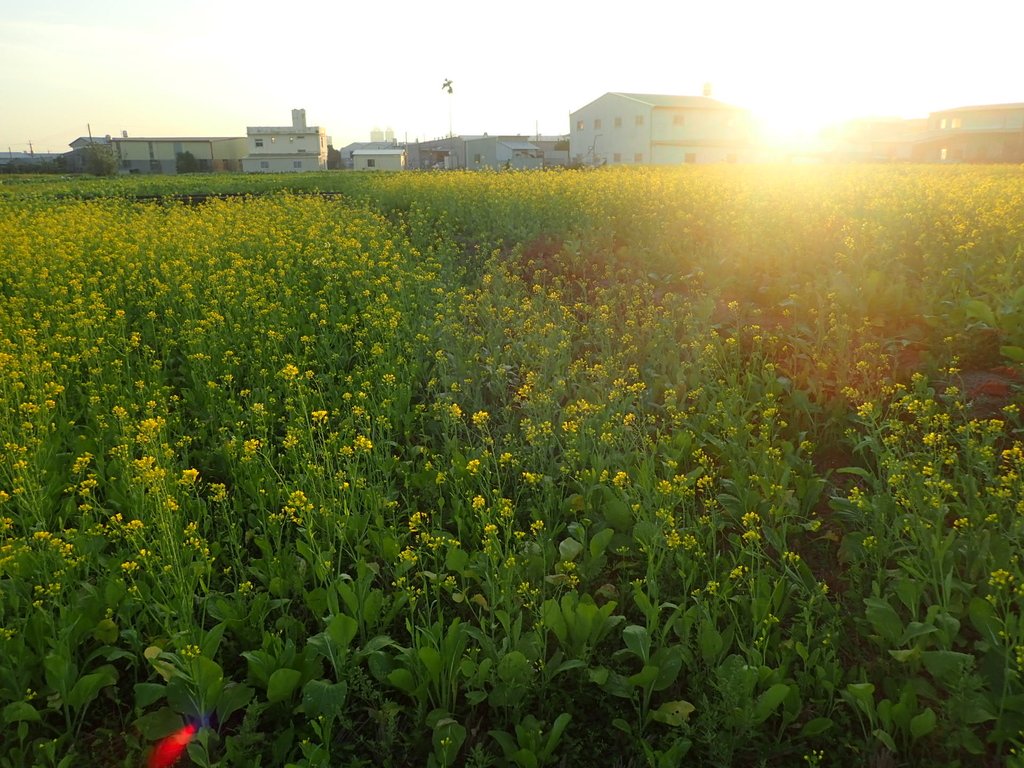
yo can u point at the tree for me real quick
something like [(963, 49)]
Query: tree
[(100, 160), (186, 163)]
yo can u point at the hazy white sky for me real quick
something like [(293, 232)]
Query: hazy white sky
[(212, 67)]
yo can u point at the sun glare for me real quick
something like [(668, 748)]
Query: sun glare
[(784, 126)]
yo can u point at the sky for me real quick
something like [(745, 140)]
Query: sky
[(213, 67)]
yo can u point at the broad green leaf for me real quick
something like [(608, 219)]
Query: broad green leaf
[(456, 560), (858, 471), (403, 680), (815, 727), (282, 684), (88, 686), (158, 724), (922, 724), (946, 666), (557, 728), (233, 698), (20, 711), (514, 667), (569, 548), (674, 713), (884, 619), (885, 738), (554, 620), (906, 654), (916, 629), (644, 677), (768, 701), (1016, 354), (342, 628), (617, 513), (710, 641), (638, 641), (983, 617), (431, 660), (979, 310), (105, 631), (147, 693), (448, 739), (211, 640), (599, 541), (669, 665), (321, 698)]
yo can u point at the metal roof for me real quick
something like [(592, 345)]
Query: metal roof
[(662, 100), (1017, 105), (519, 145)]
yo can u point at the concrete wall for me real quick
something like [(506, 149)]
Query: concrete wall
[(289, 164), (612, 125), (157, 155), (381, 162), (617, 129)]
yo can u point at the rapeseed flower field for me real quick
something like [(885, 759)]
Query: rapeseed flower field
[(641, 467)]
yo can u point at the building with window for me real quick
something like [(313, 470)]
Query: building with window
[(164, 154), (171, 155), (289, 149), (652, 129), (390, 159), (992, 133)]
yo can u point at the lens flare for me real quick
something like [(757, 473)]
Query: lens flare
[(169, 749)]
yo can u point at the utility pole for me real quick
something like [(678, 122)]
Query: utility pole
[(447, 85), (31, 152)]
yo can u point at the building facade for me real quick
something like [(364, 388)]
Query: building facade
[(992, 133), (289, 149), (642, 129), (391, 159), (501, 152), (171, 155)]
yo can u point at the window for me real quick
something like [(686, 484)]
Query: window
[(579, 125), (638, 157), (264, 163), (678, 119), (617, 157), (259, 143), (942, 126), (477, 158), (618, 122), (371, 162), (597, 124), (301, 151), (296, 163), (639, 119), (956, 122), (690, 157), (943, 153), (273, 139)]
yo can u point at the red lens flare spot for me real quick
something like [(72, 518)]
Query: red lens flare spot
[(169, 749)]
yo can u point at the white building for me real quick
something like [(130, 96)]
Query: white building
[(286, 149), (378, 159), (642, 129)]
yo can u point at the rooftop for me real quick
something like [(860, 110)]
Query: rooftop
[(663, 100), (1017, 105)]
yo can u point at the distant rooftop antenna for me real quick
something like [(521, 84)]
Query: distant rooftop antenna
[(124, 134), (707, 90)]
